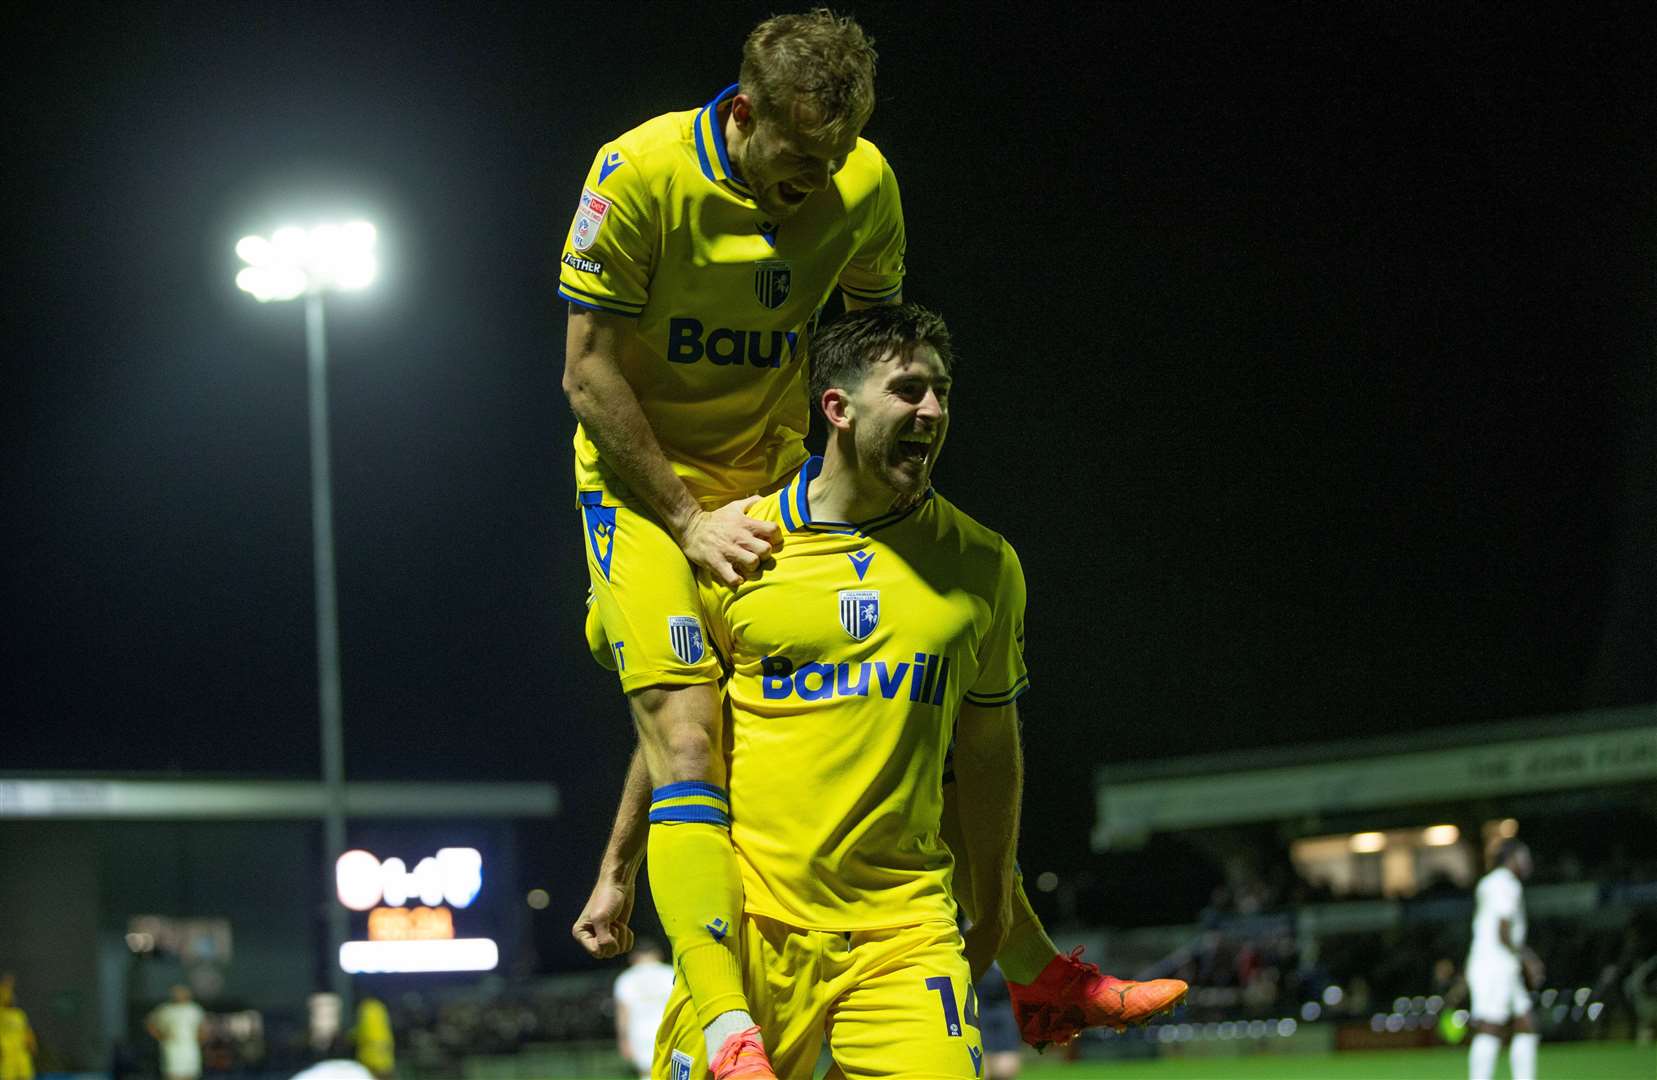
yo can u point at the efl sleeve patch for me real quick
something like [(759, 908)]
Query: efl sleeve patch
[(607, 256), (589, 220)]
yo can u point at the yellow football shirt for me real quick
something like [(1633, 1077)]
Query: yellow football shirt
[(848, 663), (725, 299), (16, 1063)]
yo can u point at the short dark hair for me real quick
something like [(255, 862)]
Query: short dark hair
[(843, 351)]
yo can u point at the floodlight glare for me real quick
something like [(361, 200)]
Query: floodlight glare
[(1367, 842), (1440, 835), (295, 261), (254, 250)]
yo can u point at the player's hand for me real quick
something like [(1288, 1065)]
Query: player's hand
[(983, 940), (728, 543), (602, 928), (1535, 971)]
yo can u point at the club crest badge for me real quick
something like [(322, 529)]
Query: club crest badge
[(679, 1065), (589, 219), (859, 612), (771, 280), (684, 634)]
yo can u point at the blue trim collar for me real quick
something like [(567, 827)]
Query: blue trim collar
[(711, 154), (796, 506)]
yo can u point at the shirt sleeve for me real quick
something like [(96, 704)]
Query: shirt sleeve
[(1002, 677), (610, 251), (875, 272)]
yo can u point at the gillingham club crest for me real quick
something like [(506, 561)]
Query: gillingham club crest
[(859, 611), (684, 634), (771, 281)]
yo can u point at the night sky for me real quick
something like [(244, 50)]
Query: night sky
[(1307, 361)]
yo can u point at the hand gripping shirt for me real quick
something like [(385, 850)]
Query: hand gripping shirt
[(848, 663), (725, 298)]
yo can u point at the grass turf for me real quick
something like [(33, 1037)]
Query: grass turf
[(1564, 1061)]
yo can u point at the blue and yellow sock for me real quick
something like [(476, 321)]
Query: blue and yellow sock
[(698, 890)]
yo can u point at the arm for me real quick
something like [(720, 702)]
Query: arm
[(602, 928), (725, 541), (989, 776), (1529, 962)]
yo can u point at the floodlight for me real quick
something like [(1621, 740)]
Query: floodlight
[(254, 250), (1366, 842), (295, 261), (291, 263), (1440, 835)]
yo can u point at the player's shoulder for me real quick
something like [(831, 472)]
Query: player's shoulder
[(952, 521), (770, 507), (865, 171), (977, 553), (647, 155)]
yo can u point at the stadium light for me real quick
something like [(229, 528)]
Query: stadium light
[(1440, 835), (293, 261), (412, 957), (290, 263), (1367, 842)]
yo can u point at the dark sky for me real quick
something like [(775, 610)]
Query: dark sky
[(1308, 363)]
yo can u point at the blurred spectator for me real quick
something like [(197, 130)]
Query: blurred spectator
[(641, 994), (177, 1026), (17, 1038), (376, 1048), (1641, 988)]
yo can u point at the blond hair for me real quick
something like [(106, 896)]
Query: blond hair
[(814, 71)]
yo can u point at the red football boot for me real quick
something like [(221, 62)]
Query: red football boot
[(1071, 994), (742, 1057)]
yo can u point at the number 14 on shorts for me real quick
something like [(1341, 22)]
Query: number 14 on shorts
[(946, 997)]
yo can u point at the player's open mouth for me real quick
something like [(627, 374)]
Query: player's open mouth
[(790, 193), (913, 449)]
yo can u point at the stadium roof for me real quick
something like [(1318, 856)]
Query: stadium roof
[(1574, 750), (103, 798)]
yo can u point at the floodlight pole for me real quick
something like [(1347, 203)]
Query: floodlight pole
[(327, 639)]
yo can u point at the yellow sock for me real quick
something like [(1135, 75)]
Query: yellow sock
[(698, 891), (1027, 949)]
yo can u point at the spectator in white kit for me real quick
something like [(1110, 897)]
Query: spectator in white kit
[(1501, 971), (641, 998), (177, 1026)]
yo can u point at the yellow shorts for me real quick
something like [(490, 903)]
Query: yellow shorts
[(644, 595), (892, 1003)]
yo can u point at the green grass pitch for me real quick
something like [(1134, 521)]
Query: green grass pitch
[(1565, 1061)]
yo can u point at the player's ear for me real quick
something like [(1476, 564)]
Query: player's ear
[(837, 406), (742, 111)]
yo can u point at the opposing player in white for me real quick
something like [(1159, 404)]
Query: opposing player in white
[(641, 994), (177, 1026), (1500, 969)]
